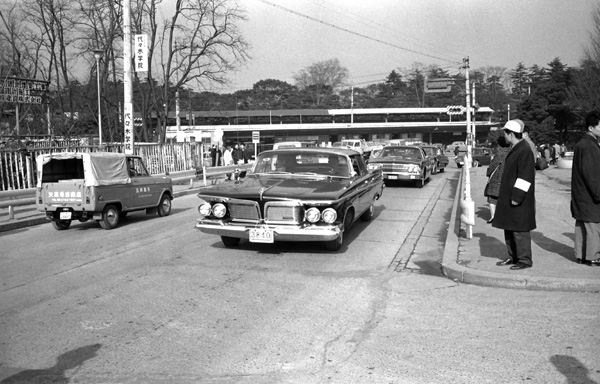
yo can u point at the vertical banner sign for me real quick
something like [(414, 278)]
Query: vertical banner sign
[(141, 53), (128, 139)]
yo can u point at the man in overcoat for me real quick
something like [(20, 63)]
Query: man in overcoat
[(515, 213), (585, 192)]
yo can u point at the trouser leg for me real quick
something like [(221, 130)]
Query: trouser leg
[(592, 241), (523, 247), (579, 243), (511, 246)]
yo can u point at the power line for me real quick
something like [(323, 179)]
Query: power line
[(354, 33), (379, 26)]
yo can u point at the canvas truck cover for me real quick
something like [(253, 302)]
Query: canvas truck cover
[(100, 168)]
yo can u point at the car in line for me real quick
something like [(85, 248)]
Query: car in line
[(403, 162), (479, 156), (439, 158), (300, 194)]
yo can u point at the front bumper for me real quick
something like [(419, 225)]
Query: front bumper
[(280, 232), (400, 176)]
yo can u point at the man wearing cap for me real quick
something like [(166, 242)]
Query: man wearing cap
[(515, 211), (585, 193)]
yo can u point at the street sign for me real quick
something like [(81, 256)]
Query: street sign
[(255, 137), (438, 85)]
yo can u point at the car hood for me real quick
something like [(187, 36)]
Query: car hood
[(267, 188), (394, 160)]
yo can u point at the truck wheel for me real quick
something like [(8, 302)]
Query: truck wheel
[(164, 207), (230, 241), (61, 225), (110, 217)]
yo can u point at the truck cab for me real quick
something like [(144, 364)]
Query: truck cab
[(99, 186)]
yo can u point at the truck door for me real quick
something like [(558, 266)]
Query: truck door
[(145, 190)]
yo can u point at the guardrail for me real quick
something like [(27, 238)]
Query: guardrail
[(21, 197)]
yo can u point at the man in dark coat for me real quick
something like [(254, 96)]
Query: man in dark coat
[(515, 212), (585, 192)]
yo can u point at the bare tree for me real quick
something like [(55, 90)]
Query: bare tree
[(583, 95), (199, 43), (322, 78)]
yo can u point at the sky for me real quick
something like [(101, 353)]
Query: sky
[(372, 38)]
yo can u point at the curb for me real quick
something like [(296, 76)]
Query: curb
[(459, 273)]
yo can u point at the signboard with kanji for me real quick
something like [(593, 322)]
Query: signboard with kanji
[(141, 53), (23, 91), (255, 137), (128, 129)]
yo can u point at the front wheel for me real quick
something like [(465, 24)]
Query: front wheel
[(164, 207), (368, 215), (475, 163), (335, 245), (61, 225), (110, 217)]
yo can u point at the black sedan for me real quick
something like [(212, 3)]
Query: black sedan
[(403, 162), (301, 194)]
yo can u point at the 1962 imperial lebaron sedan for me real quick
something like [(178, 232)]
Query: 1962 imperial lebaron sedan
[(403, 163), (301, 194)]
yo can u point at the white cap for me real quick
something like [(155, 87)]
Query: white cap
[(515, 125)]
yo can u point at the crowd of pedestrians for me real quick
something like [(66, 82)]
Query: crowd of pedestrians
[(510, 191), (228, 155)]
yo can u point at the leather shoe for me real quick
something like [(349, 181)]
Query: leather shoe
[(505, 262), (520, 266)]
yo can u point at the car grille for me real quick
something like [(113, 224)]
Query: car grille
[(275, 212), (240, 210), (394, 167)]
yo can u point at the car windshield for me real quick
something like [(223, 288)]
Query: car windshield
[(401, 152), (302, 163)]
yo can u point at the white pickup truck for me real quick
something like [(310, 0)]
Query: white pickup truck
[(359, 145), (99, 186)]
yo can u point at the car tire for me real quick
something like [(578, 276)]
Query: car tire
[(435, 169), (442, 170), (335, 245), (110, 217), (61, 225), (164, 207), (421, 182), (475, 163), (368, 214), (230, 241)]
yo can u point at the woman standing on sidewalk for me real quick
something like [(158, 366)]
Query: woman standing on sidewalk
[(494, 174)]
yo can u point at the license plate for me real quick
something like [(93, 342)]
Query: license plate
[(392, 177), (65, 215), (261, 235)]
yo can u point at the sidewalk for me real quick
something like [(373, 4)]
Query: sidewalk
[(474, 260)]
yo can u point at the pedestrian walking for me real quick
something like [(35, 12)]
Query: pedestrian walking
[(213, 155), (494, 174), (585, 193), (228, 159), (515, 212)]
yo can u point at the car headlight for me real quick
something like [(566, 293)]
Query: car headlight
[(373, 166), (413, 168), (329, 215), (219, 210), (312, 215), (204, 209)]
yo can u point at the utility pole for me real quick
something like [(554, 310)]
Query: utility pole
[(467, 204), (128, 129)]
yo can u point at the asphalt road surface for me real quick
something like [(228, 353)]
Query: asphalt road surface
[(155, 301)]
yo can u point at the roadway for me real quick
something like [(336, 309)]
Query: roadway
[(155, 301)]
